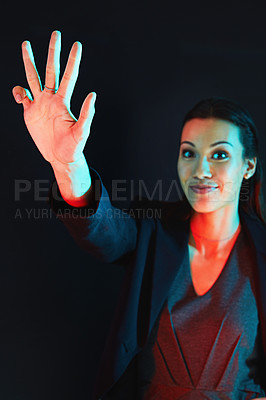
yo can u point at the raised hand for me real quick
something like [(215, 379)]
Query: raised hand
[(59, 136)]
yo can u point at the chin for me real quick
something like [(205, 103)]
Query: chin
[(206, 207)]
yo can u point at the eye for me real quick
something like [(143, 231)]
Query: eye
[(218, 155), (187, 153), (222, 155)]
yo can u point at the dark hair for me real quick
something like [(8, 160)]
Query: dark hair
[(251, 195)]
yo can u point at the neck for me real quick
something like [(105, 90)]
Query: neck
[(211, 232)]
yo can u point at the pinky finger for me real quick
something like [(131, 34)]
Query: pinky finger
[(22, 95), (82, 126)]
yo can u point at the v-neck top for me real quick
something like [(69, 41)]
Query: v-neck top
[(206, 346)]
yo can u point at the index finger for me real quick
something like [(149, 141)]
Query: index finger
[(30, 68)]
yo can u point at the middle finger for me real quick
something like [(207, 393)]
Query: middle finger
[(53, 61)]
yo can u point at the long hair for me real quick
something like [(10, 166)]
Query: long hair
[(251, 196)]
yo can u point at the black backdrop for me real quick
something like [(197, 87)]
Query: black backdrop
[(148, 63)]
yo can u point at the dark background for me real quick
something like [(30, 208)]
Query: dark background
[(148, 63)]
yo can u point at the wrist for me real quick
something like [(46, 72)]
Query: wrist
[(61, 167), (74, 181)]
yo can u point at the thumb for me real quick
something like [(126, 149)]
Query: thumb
[(22, 95)]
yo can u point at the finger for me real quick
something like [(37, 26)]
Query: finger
[(83, 124), (22, 95), (30, 68), (71, 72), (53, 61)]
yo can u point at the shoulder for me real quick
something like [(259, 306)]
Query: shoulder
[(255, 229)]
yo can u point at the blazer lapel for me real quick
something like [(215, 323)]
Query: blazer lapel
[(170, 249), (145, 289)]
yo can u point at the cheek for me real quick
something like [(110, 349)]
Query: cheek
[(229, 173), (228, 176), (223, 173), (184, 170), (179, 169)]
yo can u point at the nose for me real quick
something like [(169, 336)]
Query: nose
[(202, 169)]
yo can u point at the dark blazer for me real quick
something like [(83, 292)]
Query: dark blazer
[(151, 250)]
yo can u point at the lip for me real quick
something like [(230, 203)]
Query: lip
[(202, 188)]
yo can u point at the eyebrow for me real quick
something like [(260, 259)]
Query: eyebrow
[(212, 145)]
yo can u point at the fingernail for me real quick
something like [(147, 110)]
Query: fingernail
[(18, 98)]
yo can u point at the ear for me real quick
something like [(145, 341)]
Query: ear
[(251, 164)]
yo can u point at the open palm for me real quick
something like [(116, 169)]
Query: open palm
[(59, 136)]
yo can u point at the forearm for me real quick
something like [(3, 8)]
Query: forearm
[(74, 182), (103, 230)]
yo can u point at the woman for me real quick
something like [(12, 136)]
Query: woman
[(191, 322)]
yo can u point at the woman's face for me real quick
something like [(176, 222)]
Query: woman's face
[(211, 155)]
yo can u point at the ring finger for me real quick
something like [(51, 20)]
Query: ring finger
[(53, 62)]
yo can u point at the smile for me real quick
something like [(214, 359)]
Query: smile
[(203, 190)]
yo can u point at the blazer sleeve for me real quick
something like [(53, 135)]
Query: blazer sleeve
[(101, 229)]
